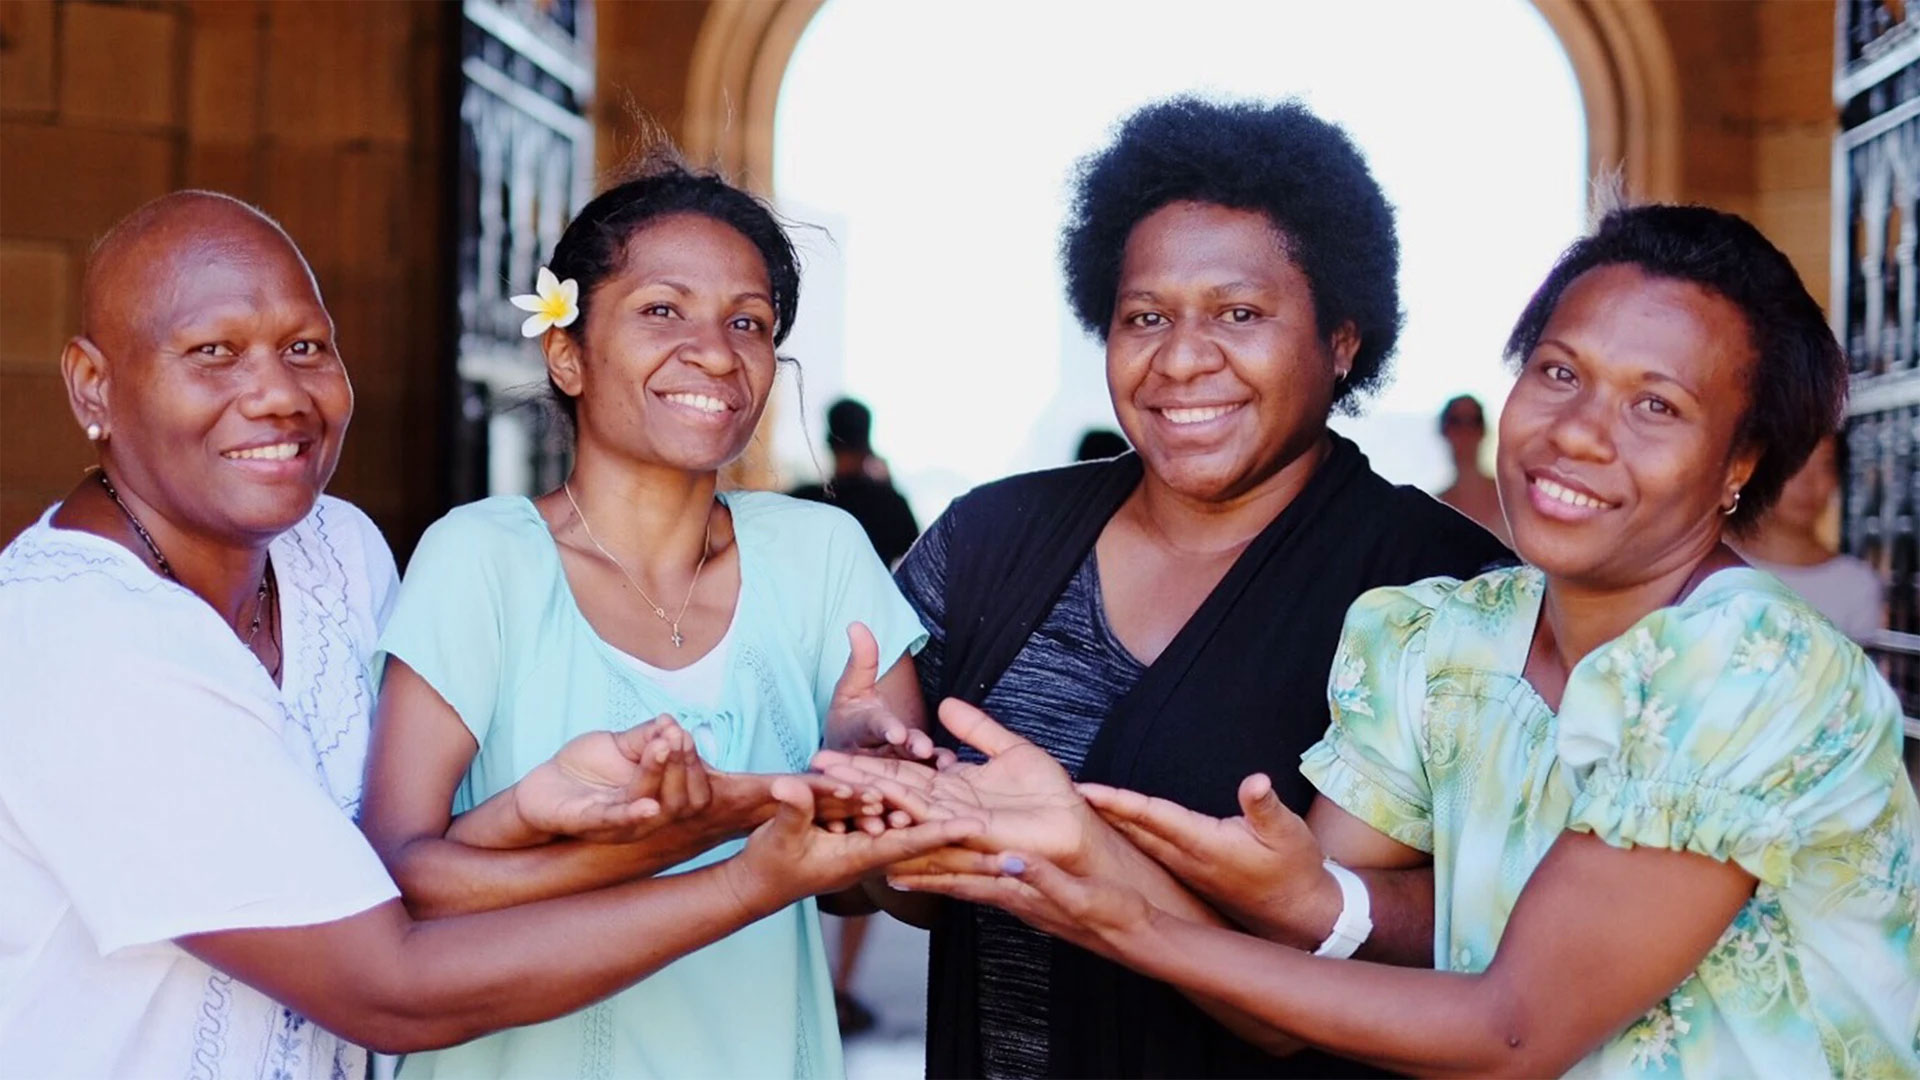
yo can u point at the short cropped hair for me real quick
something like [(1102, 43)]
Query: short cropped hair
[(1303, 173), (1798, 385)]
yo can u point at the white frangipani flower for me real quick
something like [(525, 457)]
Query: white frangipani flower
[(553, 303)]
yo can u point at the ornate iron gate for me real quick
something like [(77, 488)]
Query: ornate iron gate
[(526, 164), (1876, 290)]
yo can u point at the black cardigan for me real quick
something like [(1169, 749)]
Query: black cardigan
[(1241, 689)]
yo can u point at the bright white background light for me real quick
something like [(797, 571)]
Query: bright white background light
[(934, 142)]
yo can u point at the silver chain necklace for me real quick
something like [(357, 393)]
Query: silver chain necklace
[(673, 622)]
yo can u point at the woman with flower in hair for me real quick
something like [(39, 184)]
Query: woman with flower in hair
[(755, 627)]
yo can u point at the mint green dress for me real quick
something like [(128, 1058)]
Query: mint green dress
[(486, 617), (1737, 724)]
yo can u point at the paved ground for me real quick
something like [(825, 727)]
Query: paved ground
[(892, 980)]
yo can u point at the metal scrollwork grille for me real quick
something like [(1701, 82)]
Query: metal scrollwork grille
[(1876, 184), (526, 159)]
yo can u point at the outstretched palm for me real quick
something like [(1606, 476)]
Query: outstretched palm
[(1263, 867), (1022, 796), (859, 720)]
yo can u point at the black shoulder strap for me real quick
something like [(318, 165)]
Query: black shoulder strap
[(1015, 546)]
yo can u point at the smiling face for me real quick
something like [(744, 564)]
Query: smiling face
[(225, 400), (1218, 372), (678, 353), (1618, 444)]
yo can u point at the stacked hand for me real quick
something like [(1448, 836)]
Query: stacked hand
[(622, 786), (1023, 799), (1058, 855), (791, 856), (1036, 831)]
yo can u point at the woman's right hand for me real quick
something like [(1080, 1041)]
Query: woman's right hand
[(792, 856), (1264, 868), (616, 786)]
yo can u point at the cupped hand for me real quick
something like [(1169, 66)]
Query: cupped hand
[(1264, 868), (859, 720), (791, 856), (615, 786), (1022, 797)]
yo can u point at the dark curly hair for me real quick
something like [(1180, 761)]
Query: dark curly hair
[(1281, 160), (1798, 385), (594, 247)]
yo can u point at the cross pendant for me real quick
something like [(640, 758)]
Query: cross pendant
[(677, 639)]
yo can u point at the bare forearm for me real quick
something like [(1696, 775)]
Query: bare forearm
[(464, 977), (458, 875), (1431, 1023), (385, 981), (439, 878), (1167, 894), (495, 823), (1401, 903)]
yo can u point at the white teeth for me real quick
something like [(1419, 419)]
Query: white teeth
[(285, 451), (698, 401), (1197, 416), (1562, 493)]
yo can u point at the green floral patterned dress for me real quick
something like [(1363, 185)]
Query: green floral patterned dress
[(1737, 724)]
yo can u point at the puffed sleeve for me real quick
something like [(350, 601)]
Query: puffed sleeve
[(1372, 760), (1745, 728), (449, 620)]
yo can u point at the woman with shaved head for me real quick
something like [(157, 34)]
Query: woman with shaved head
[(185, 643)]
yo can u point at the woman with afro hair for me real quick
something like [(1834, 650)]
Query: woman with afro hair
[(1165, 620)]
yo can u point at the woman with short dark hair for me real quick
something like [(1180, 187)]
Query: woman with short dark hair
[(1165, 619), (1662, 797)]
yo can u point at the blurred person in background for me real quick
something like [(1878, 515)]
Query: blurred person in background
[(861, 485), (1463, 424), (1787, 544)]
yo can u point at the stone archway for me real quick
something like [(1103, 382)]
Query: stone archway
[(1619, 52), (733, 87)]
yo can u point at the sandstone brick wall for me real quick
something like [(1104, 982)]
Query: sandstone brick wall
[(1758, 119), (333, 117)]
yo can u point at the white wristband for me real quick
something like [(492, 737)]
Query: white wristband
[(1350, 930)]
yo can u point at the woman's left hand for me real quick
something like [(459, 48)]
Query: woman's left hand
[(859, 720)]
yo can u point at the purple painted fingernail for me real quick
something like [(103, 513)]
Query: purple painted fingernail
[(1013, 864)]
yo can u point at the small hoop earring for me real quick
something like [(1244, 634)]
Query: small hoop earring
[(1729, 511), (96, 433)]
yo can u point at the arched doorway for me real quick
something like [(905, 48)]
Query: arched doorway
[(921, 109), (1618, 50)]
